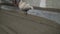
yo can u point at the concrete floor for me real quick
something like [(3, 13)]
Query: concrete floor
[(11, 23), (54, 16)]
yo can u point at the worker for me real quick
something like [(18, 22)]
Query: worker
[(24, 6), (16, 2)]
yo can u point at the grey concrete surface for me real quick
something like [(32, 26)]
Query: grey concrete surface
[(6, 7), (54, 16), (14, 24)]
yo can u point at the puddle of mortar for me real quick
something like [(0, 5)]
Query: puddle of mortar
[(54, 16)]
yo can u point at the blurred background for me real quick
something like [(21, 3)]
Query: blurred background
[(55, 16)]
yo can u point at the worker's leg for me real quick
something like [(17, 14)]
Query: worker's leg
[(26, 13)]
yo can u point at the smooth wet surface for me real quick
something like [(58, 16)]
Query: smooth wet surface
[(54, 16)]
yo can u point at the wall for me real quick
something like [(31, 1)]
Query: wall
[(33, 2), (53, 3), (43, 3), (49, 3)]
